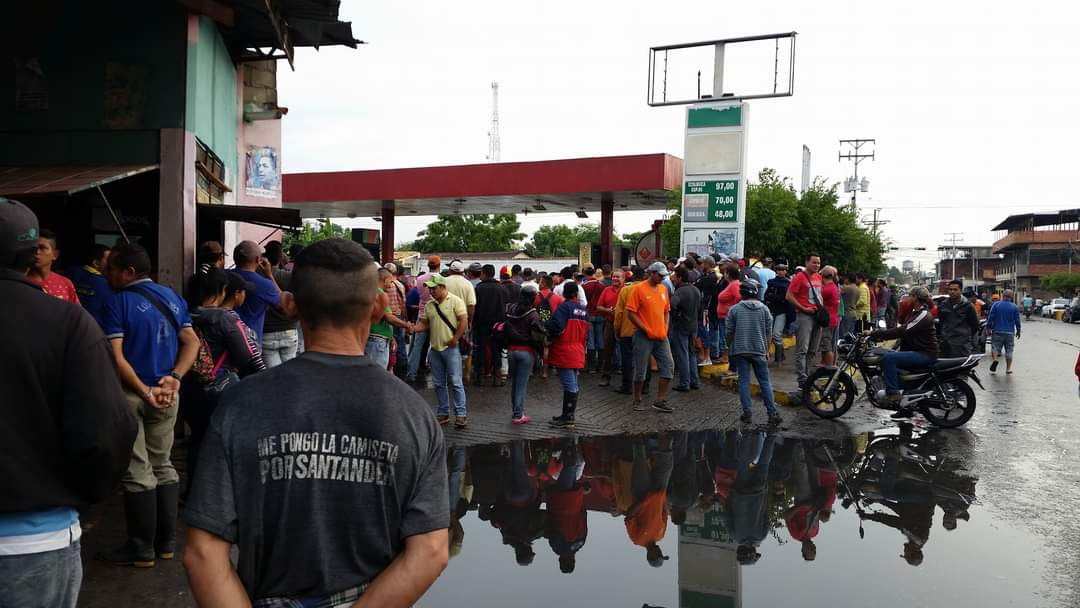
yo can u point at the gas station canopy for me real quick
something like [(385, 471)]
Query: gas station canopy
[(626, 183)]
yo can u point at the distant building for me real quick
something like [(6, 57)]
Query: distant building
[(1034, 245), (907, 266), (976, 266)]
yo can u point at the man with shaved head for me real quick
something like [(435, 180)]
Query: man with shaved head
[(328, 473), (255, 269)]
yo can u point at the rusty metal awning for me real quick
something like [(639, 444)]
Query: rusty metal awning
[(37, 181)]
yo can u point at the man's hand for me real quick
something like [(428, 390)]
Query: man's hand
[(453, 343), (1017, 335), (264, 267)]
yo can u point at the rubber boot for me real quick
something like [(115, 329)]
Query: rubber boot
[(140, 513), (167, 504), (566, 419)]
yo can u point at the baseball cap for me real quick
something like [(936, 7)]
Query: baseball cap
[(658, 267), (18, 230), (457, 266), (476, 267), (435, 279)]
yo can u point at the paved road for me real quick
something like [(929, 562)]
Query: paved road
[(1024, 435)]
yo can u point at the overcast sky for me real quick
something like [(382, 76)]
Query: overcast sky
[(974, 108)]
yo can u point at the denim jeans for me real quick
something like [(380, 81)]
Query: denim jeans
[(51, 578), (568, 377), (682, 349), (378, 350), (779, 322), (893, 359), (721, 337), (716, 334), (596, 335), (760, 366), (419, 345), (626, 351), (279, 347), (446, 373), (402, 352), (521, 364)]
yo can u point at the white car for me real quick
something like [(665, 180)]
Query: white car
[(1055, 305)]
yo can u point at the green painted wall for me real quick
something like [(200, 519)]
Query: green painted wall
[(211, 101), (112, 74)]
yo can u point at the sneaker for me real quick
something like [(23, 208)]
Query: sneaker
[(638, 405), (522, 420), (443, 419), (695, 387), (902, 414), (461, 422), (606, 381), (746, 418), (704, 362), (662, 406), (1008, 371), (775, 419), (993, 367), (681, 389)]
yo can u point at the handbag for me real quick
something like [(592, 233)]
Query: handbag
[(218, 384), (464, 345)]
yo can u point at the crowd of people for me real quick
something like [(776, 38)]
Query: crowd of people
[(104, 360)]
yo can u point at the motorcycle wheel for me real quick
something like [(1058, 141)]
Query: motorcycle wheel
[(951, 415), (839, 399)]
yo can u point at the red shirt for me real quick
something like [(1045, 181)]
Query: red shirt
[(58, 286), (555, 299), (800, 288), (593, 289), (608, 299), (728, 298), (830, 296)]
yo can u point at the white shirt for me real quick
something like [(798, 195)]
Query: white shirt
[(580, 292)]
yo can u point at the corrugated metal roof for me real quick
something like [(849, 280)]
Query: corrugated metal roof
[(21, 181)]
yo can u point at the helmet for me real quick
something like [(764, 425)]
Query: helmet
[(749, 288)]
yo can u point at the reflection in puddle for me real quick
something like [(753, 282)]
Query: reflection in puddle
[(595, 520)]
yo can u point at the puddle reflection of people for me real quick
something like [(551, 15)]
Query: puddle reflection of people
[(688, 474), (567, 521), (456, 463), (813, 487), (516, 512), (646, 520), (747, 513)]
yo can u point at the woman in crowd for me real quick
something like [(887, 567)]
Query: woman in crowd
[(727, 298), (228, 352), (524, 344)]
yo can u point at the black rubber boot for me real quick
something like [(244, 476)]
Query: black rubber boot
[(140, 512), (566, 420), (167, 504)]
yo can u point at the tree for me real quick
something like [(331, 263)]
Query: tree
[(896, 274), (560, 240), (1065, 283), (313, 231), (470, 233), (671, 230)]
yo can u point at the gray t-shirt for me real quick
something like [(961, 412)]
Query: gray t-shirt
[(318, 469)]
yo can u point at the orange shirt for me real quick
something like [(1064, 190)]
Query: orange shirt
[(651, 304), (649, 524)]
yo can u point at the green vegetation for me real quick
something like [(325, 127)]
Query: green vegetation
[(1065, 283)]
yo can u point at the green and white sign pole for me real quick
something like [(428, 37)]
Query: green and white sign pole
[(714, 179)]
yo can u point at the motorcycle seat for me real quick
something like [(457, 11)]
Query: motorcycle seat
[(948, 362)]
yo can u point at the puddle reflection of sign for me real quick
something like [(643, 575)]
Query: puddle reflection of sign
[(711, 200), (711, 241)]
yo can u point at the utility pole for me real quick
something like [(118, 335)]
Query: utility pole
[(875, 222), (853, 185), (954, 237), (494, 146)]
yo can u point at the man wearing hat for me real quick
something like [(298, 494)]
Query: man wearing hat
[(647, 308), (67, 431), (445, 320), (420, 338)]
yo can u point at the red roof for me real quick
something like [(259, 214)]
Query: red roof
[(633, 182)]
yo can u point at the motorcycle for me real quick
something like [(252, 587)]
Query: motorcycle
[(939, 392)]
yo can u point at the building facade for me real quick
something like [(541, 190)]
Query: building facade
[(154, 122), (1035, 245)]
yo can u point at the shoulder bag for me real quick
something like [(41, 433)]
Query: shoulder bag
[(463, 344)]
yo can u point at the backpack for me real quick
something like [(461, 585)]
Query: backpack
[(203, 369), (775, 296), (545, 308)]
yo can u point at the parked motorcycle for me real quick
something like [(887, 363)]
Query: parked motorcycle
[(940, 392)]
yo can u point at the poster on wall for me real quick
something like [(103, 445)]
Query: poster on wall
[(31, 89), (712, 241), (263, 172)]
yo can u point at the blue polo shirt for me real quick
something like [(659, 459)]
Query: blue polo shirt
[(253, 312), (93, 289), (150, 340)]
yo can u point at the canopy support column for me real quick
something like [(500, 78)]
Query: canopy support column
[(387, 231), (607, 227)]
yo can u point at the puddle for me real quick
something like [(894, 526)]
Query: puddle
[(729, 519)]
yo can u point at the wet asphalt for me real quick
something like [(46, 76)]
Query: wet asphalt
[(1022, 444)]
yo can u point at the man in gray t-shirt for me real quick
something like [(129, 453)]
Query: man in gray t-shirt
[(328, 473)]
